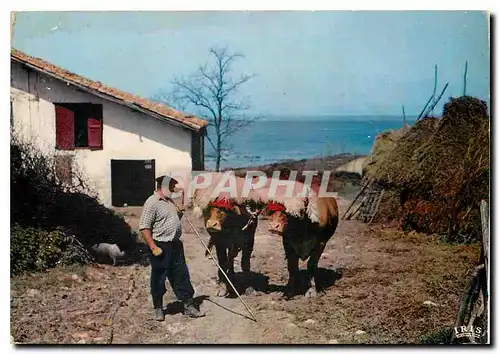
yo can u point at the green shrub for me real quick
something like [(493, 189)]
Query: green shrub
[(55, 221), (34, 249)]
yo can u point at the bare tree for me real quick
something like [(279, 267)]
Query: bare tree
[(211, 92)]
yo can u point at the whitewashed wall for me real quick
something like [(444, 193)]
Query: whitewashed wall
[(127, 134)]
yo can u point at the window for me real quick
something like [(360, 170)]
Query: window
[(78, 125)]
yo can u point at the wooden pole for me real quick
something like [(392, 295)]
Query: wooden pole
[(377, 206), (438, 99), (424, 110), (365, 208), (352, 214), (356, 198), (371, 206), (465, 79), (475, 298), (435, 80), (485, 226), (425, 107), (435, 86), (12, 24), (466, 312)]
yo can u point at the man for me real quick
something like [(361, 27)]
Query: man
[(160, 226)]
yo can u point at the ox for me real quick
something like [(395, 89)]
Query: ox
[(232, 229), (303, 238)]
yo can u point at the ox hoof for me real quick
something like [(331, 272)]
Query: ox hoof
[(311, 293), (289, 293), (250, 291), (221, 291)]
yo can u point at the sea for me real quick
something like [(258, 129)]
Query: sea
[(282, 138)]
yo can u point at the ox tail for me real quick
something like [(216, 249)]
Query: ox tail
[(328, 210)]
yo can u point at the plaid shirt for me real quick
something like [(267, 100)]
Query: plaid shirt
[(162, 218)]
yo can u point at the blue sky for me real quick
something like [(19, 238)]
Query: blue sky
[(307, 63)]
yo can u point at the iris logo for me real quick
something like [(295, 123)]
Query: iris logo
[(463, 331)]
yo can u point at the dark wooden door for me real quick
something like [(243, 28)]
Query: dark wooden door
[(132, 181)]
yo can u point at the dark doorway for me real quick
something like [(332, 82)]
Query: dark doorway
[(132, 181)]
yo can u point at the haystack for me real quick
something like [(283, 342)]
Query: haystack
[(401, 166), (383, 145), (455, 162), (443, 166)]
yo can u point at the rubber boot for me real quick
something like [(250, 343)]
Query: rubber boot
[(191, 310), (158, 306)]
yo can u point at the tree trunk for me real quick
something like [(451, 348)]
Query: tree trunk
[(218, 154), (217, 163)]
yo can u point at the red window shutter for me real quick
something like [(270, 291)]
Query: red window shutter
[(65, 128), (94, 129)]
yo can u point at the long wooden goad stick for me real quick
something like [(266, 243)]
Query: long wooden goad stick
[(218, 266)]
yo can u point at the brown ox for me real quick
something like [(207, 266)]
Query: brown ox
[(232, 229), (304, 239)]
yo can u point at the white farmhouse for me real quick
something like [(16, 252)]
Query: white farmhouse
[(120, 141)]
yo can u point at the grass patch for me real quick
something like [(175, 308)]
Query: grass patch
[(442, 336), (383, 290)]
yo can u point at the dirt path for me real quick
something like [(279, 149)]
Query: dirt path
[(375, 280), (226, 319)]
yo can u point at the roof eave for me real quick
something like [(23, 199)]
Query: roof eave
[(116, 100)]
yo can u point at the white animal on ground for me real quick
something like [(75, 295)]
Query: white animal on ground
[(108, 249)]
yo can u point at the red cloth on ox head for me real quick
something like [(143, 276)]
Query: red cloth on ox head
[(273, 206), (222, 203)]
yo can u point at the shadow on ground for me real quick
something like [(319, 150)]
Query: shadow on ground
[(176, 307), (140, 255), (242, 282), (326, 278), (260, 282)]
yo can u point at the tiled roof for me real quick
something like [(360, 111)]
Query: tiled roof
[(144, 105)]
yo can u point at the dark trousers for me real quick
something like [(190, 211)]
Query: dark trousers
[(171, 264)]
